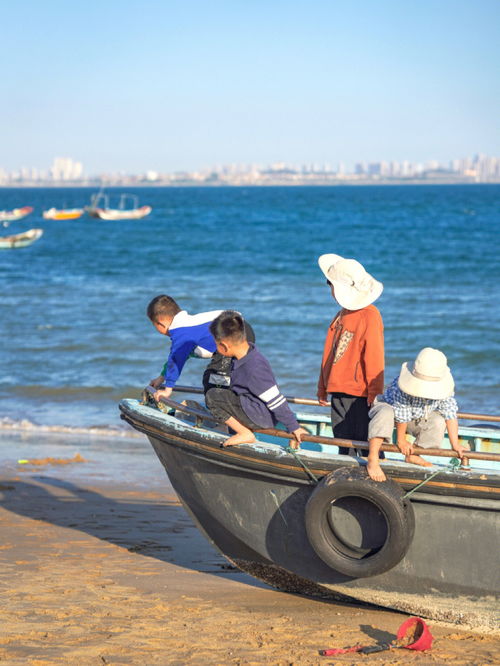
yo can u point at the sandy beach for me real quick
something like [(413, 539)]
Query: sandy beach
[(99, 569)]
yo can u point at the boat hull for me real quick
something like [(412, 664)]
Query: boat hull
[(20, 240), (72, 214), (16, 214), (117, 214), (250, 502)]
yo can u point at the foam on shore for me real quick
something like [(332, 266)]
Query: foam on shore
[(25, 425)]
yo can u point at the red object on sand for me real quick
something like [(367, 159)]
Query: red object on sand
[(424, 642), (420, 630), (329, 653)]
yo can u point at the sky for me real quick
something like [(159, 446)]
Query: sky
[(167, 85)]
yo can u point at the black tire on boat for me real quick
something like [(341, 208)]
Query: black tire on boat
[(358, 526)]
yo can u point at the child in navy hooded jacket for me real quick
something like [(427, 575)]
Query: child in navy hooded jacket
[(254, 401)]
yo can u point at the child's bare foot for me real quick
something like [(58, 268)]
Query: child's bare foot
[(375, 471), (240, 438), (417, 460)]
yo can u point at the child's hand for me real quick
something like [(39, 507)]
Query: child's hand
[(298, 437), (405, 447), (323, 399), (156, 383), (163, 393), (459, 449)]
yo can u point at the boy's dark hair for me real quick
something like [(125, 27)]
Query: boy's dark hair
[(162, 306), (229, 325)]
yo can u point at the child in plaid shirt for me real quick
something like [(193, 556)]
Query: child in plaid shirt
[(420, 401)]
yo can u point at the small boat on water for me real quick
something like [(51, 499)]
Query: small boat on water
[(104, 212), (15, 214), (20, 240), (63, 213), (311, 521)]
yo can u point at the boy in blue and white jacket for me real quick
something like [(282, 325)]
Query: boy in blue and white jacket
[(190, 335), (254, 401)]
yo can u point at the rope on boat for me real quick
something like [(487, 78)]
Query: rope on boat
[(454, 465), (422, 483), (273, 495), (301, 462), (148, 400)]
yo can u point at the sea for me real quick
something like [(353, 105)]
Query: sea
[(75, 338)]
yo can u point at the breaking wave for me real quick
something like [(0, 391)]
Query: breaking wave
[(7, 424)]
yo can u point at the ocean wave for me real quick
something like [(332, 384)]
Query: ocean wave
[(74, 393), (25, 425)]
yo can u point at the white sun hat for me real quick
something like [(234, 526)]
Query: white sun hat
[(354, 287), (429, 377)]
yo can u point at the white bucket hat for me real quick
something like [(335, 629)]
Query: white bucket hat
[(429, 377), (354, 287)]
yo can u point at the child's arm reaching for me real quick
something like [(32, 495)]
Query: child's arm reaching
[(179, 354), (159, 392), (298, 433), (156, 383), (163, 393), (406, 448), (401, 442), (373, 354), (452, 428), (321, 393)]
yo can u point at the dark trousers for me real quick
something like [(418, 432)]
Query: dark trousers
[(224, 403), (350, 421), (217, 373)]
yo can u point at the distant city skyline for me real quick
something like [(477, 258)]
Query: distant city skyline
[(67, 171), (135, 86)]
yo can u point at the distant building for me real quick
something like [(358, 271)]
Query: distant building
[(374, 169), (64, 169), (432, 165)]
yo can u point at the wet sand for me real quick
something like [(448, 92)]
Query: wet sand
[(101, 572)]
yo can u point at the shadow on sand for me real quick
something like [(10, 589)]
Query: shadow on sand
[(141, 522), (145, 523)]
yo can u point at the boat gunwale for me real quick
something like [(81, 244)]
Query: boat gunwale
[(202, 416), (264, 457)]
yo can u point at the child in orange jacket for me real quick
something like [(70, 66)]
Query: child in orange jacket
[(352, 370)]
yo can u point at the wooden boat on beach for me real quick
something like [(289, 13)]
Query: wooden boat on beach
[(311, 521), (20, 240), (104, 212), (62, 214), (15, 214)]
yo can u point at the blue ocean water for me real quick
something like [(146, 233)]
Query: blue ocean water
[(75, 337)]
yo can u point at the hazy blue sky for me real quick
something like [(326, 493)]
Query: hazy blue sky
[(134, 85)]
